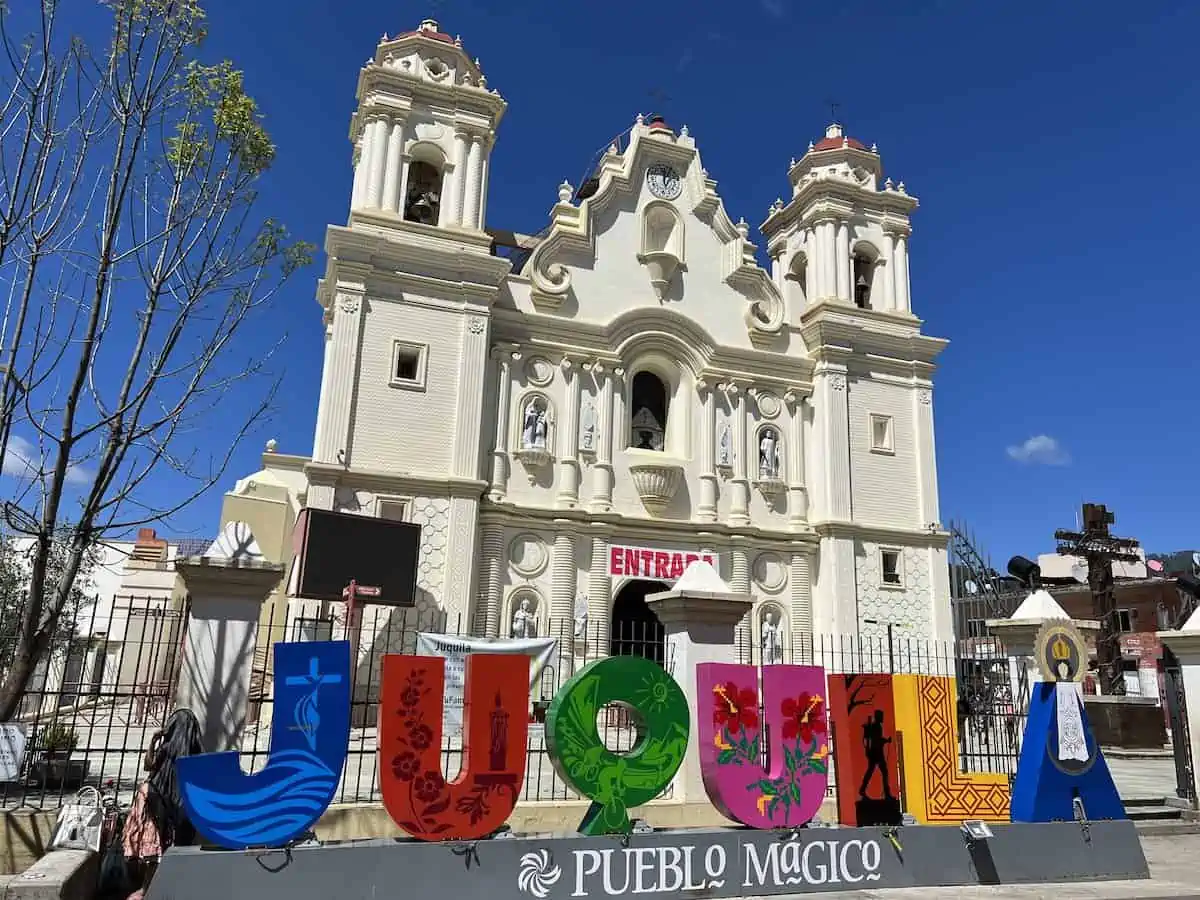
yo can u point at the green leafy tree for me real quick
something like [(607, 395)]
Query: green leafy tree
[(137, 273)]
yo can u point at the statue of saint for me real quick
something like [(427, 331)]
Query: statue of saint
[(772, 644), (533, 425), (768, 454), (581, 618), (524, 625), (725, 446)]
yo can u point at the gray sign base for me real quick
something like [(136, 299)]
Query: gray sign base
[(676, 864)]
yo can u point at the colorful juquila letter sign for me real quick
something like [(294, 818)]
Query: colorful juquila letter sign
[(495, 726), (791, 788), (865, 749), (310, 733), (616, 782)]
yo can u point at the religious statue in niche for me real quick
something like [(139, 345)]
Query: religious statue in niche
[(647, 431), (533, 425), (587, 427), (524, 622), (768, 454), (581, 618), (771, 641), (724, 446)]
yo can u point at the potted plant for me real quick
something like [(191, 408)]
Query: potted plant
[(53, 766)]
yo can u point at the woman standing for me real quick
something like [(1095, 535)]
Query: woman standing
[(157, 819)]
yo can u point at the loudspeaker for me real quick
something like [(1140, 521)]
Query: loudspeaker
[(331, 549)]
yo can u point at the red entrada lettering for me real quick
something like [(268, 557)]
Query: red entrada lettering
[(643, 562)]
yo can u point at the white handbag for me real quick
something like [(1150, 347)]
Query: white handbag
[(80, 824)]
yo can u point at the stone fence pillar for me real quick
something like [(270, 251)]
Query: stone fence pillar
[(226, 594), (1185, 644), (699, 616)]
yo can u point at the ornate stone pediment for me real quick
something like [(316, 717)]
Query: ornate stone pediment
[(558, 265)]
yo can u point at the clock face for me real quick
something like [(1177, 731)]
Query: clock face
[(663, 182)]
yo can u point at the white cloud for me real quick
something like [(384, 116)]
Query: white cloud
[(775, 8), (21, 461), (1040, 450)]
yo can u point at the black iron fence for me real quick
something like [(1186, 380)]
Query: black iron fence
[(103, 691), (96, 697)]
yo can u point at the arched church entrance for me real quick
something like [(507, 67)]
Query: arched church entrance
[(636, 630)]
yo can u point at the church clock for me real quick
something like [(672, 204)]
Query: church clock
[(663, 182)]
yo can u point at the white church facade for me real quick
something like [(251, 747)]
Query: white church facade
[(630, 390)]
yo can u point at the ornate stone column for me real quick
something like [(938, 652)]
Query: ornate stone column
[(829, 262), (491, 579), (706, 507), (472, 365), (739, 581), (360, 170), (903, 299), (844, 288), (393, 167), (562, 591), (739, 513), (474, 187), (454, 187), (483, 188), (322, 397), (797, 487), (331, 443), (568, 440), (599, 598), (505, 355), (800, 613), (379, 155), (889, 271), (602, 470)]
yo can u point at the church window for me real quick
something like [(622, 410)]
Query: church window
[(408, 365), (882, 439), (391, 508), (864, 276), (423, 201), (889, 567), (648, 401)]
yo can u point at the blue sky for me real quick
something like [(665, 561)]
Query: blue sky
[(1048, 144)]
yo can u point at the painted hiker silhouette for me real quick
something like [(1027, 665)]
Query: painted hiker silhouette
[(875, 746)]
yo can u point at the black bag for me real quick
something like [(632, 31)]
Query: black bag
[(114, 880)]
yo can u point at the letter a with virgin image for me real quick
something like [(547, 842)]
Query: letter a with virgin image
[(495, 727), (310, 733), (789, 790)]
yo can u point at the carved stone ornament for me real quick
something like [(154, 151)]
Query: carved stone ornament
[(476, 325), (768, 404), (837, 382), (656, 480), (925, 396), (770, 486), (348, 303), (539, 371)]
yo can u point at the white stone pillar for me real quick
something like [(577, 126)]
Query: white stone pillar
[(812, 257), (379, 154), (491, 579), (797, 487), (739, 582), (699, 629), (1185, 644), (474, 188), (926, 455), (800, 613), (834, 411), (472, 366), (331, 444), (903, 298), (568, 440), (829, 259), (393, 167), (844, 288), (505, 355), (360, 170), (562, 592), (454, 186), (889, 271), (739, 512), (322, 396), (483, 190), (706, 507), (602, 469), (225, 600), (599, 590)]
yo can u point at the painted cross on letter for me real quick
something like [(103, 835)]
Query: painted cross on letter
[(306, 715)]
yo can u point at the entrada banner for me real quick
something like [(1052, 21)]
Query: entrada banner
[(650, 562), (764, 754)]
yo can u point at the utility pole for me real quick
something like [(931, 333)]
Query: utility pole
[(1098, 546)]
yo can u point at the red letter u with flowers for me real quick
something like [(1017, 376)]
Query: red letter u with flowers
[(788, 791), (495, 727)]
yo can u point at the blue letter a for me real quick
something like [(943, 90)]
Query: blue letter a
[(310, 734)]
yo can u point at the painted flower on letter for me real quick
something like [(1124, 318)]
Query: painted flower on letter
[(805, 717), (427, 787), (735, 709), (405, 765)]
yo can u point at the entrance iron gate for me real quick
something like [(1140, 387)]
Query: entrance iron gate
[(1177, 717)]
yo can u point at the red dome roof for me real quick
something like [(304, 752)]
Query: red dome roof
[(436, 35), (837, 143)]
